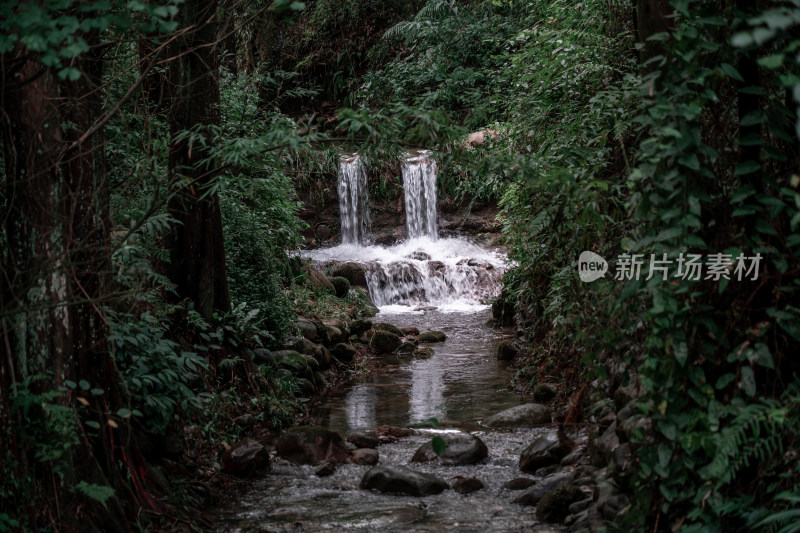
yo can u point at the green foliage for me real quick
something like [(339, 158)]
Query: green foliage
[(717, 367), (155, 368)]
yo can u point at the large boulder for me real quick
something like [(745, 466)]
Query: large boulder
[(384, 341), (335, 334), (353, 273), (547, 484), (401, 480), (546, 450), (603, 447), (312, 445), (245, 458), (460, 449), (521, 416), (432, 336)]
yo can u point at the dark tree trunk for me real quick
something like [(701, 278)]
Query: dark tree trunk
[(196, 244), (55, 282), (652, 17)]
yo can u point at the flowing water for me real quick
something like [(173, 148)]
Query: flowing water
[(458, 386), (419, 185), (353, 201), (429, 284)]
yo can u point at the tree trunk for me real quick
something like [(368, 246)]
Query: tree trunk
[(196, 244)]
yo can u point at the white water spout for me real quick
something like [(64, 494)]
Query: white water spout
[(353, 201), (419, 184)]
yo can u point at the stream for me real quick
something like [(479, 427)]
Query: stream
[(430, 284), (458, 386)]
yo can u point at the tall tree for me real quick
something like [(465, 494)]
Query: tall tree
[(196, 244)]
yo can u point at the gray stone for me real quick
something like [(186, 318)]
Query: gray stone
[(460, 449), (575, 456), (544, 392), (308, 329), (537, 492), (604, 446), (327, 469), (263, 356), (554, 506), (546, 450), (363, 440), (335, 334), (401, 480), (364, 456), (353, 273), (245, 421), (526, 415), (311, 445), (245, 458), (519, 483), (467, 485)]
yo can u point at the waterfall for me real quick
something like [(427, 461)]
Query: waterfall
[(419, 184), (353, 201)]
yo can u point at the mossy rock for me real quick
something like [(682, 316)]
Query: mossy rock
[(384, 341), (343, 352), (385, 326), (432, 336), (360, 326), (291, 360), (340, 285), (423, 353), (506, 351), (407, 348)]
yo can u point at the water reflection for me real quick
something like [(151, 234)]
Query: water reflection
[(360, 407), (461, 382), (426, 397)]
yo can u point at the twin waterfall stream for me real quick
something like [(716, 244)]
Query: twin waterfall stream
[(430, 283)]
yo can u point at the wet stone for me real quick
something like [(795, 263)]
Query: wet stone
[(467, 485), (519, 483), (460, 449), (401, 480), (365, 456), (327, 469), (363, 440)]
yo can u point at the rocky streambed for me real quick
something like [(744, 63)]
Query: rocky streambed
[(433, 443)]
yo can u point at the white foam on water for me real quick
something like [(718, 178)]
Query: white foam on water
[(453, 274)]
